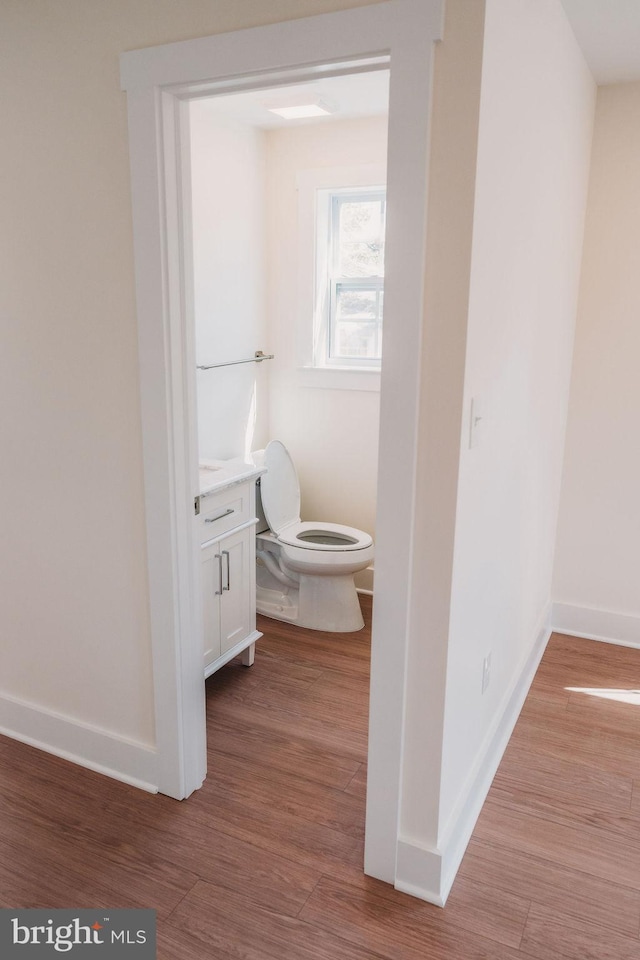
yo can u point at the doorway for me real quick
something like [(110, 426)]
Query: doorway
[(287, 228), (159, 83)]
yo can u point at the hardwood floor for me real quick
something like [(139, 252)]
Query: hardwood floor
[(264, 862)]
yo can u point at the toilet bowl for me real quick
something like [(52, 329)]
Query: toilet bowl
[(305, 570)]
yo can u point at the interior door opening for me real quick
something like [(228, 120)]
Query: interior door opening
[(260, 194), (160, 83), (285, 202)]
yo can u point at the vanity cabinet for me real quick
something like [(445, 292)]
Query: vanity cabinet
[(227, 538)]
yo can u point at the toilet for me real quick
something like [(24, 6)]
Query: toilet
[(305, 570)]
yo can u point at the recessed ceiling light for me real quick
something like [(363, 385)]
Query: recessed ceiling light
[(302, 109)]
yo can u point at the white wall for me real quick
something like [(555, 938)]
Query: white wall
[(228, 170), (536, 107), (332, 433), (596, 571), (533, 162)]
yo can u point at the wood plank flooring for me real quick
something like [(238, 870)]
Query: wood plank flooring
[(264, 862)]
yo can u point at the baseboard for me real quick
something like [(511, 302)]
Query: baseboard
[(419, 871), (364, 580), (98, 750), (428, 872), (593, 624)]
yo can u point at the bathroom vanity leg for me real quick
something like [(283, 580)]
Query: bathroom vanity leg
[(248, 655)]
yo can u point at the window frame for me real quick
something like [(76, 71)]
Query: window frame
[(313, 371), (335, 198)]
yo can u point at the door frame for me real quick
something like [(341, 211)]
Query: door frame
[(159, 82)]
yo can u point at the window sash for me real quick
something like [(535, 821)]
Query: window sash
[(337, 324), (334, 327)]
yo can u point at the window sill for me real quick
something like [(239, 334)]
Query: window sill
[(340, 378)]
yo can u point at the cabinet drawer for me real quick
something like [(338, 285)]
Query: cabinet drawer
[(220, 512)]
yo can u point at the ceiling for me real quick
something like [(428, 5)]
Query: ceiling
[(355, 95), (608, 32)]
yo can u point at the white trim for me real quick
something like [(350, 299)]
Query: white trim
[(419, 871), (345, 378), (310, 326), (398, 576), (428, 873), (99, 750), (167, 391), (331, 281), (157, 81), (593, 624), (236, 60)]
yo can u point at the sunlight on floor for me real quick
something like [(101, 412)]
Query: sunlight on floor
[(622, 696)]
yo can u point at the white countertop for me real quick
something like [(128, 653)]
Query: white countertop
[(217, 474)]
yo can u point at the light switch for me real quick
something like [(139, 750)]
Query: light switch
[(476, 419)]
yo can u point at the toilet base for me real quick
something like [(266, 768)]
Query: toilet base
[(276, 604), (320, 603)]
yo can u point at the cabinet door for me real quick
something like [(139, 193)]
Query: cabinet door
[(235, 604), (211, 594)]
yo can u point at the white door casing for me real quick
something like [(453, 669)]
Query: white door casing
[(159, 81)]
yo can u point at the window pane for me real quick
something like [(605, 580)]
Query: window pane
[(356, 304), (361, 238), (361, 259), (355, 339), (360, 220)]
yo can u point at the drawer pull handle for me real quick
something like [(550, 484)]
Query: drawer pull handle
[(219, 516), (225, 553)]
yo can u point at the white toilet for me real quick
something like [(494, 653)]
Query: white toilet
[(304, 570)]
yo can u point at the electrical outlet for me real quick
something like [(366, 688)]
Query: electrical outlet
[(486, 672)]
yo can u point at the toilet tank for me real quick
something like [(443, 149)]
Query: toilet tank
[(257, 458)]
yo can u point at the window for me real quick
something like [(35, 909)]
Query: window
[(340, 275), (349, 282)]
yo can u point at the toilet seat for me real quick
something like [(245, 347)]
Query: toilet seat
[(319, 536), (280, 494)]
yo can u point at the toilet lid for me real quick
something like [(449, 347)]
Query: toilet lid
[(279, 488)]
